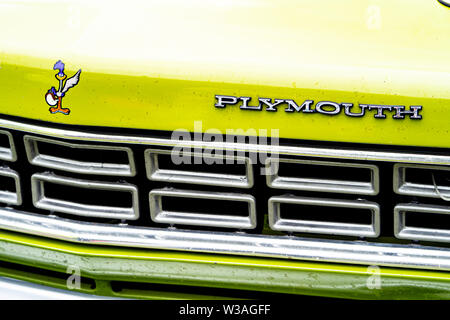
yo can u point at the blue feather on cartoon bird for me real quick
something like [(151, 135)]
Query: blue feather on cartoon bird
[(53, 97)]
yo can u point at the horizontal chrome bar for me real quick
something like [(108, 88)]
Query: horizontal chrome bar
[(318, 184), (86, 167), (155, 173), (9, 197), (402, 231), (41, 201), (158, 214), (407, 157), (277, 222), (8, 153), (353, 252), (402, 186)]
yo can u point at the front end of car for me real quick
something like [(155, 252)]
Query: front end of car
[(229, 149)]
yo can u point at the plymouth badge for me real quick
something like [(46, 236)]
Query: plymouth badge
[(328, 108)]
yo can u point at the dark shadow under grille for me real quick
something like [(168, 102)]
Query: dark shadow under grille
[(324, 172), (197, 164), (428, 220), (317, 213), (205, 206), (418, 175), (80, 154), (7, 184), (108, 198)]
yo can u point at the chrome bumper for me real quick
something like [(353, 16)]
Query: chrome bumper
[(354, 252)]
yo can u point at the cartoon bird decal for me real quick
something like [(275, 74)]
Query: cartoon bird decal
[(53, 97)]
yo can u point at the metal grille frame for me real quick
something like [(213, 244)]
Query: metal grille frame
[(324, 227), (41, 201), (292, 247)]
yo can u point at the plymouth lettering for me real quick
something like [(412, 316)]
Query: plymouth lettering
[(329, 108)]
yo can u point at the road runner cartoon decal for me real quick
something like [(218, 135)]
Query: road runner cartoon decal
[(53, 97)]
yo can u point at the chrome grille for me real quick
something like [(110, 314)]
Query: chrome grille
[(403, 231), (427, 188), (35, 157), (41, 201), (253, 213), (324, 227), (158, 214), (224, 179), (343, 185)]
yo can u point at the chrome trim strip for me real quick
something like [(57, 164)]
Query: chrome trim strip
[(402, 231), (8, 154), (195, 177), (354, 252), (52, 162), (158, 214), (42, 202), (14, 198), (322, 185), (286, 150), (276, 222), (401, 186)]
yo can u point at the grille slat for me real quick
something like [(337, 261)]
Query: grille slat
[(430, 187), (220, 178), (277, 222), (40, 200), (403, 231), (85, 166), (310, 183), (158, 214)]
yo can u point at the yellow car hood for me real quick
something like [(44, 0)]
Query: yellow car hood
[(159, 64)]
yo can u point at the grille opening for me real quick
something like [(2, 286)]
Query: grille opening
[(323, 176), (194, 169), (7, 184), (31, 273), (205, 206), (4, 141), (424, 176), (427, 220), (212, 209), (325, 214), (87, 154), (109, 198), (141, 288), (415, 180), (7, 148), (323, 172), (198, 164)]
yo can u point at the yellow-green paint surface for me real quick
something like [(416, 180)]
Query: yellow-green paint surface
[(159, 64)]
